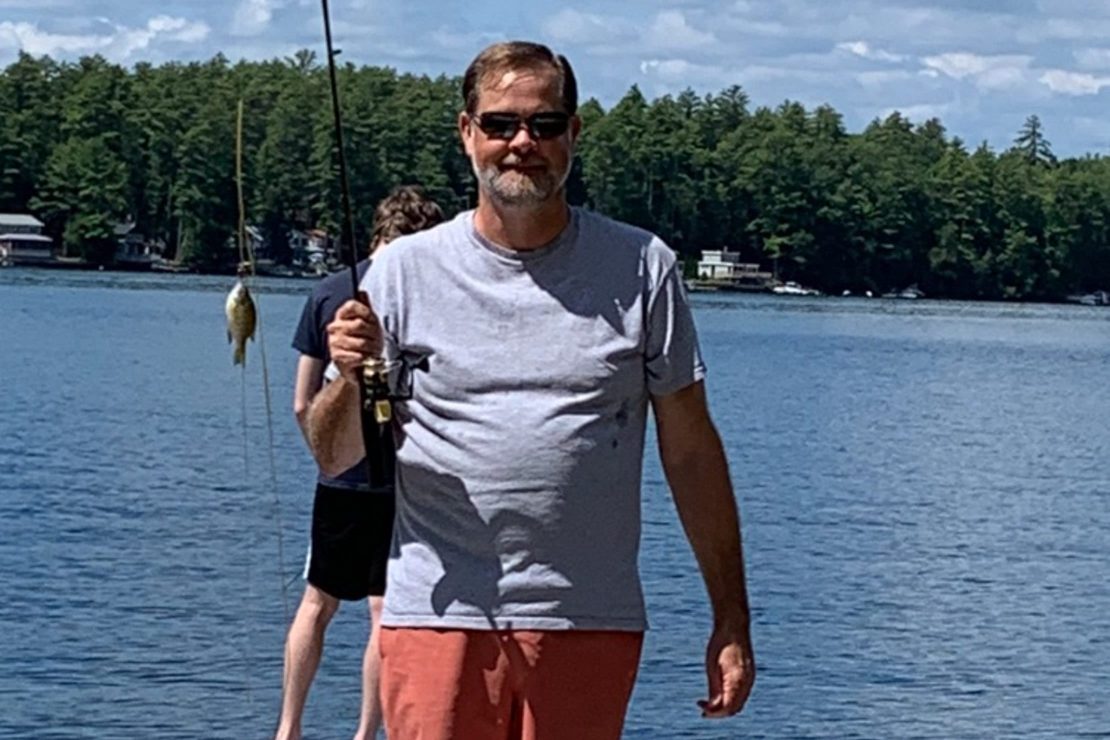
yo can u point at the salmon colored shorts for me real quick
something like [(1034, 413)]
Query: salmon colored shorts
[(507, 685)]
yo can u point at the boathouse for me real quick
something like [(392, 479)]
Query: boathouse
[(22, 241)]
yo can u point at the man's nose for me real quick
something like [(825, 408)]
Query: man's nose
[(522, 140)]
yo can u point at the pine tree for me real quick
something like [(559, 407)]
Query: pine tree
[(1030, 141)]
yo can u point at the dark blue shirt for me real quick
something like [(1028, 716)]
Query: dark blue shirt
[(311, 338)]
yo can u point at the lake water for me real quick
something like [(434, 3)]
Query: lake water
[(925, 490)]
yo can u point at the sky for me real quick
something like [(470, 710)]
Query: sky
[(981, 67)]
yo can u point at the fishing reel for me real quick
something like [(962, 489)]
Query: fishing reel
[(377, 415), (378, 401)]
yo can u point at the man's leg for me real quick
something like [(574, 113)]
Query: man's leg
[(512, 685), (371, 718), (578, 684), (445, 685), (303, 648)]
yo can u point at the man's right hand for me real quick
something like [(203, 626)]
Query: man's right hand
[(354, 335)]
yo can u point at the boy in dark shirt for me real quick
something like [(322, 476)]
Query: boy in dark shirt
[(351, 524)]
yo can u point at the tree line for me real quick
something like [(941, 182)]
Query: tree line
[(85, 145)]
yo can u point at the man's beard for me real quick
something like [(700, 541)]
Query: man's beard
[(520, 189)]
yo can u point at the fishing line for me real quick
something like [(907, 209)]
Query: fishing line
[(273, 473), (243, 400), (247, 654), (247, 271), (246, 255)]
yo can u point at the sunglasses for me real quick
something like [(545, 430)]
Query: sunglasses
[(548, 125)]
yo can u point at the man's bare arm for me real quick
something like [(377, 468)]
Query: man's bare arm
[(697, 472), (334, 426)]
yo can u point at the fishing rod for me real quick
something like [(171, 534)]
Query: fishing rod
[(374, 399)]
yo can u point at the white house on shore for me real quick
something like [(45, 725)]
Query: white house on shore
[(722, 268), (22, 241)]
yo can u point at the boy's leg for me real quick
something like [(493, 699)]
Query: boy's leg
[(371, 716), (376, 541), (303, 648)]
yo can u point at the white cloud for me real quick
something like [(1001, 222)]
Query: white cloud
[(1073, 83), (28, 37), (1093, 58), (606, 35), (570, 26), (863, 49), (1009, 71), (964, 64), (252, 17), (178, 29), (118, 45), (671, 31), (1002, 78), (679, 71), (997, 72), (902, 24)]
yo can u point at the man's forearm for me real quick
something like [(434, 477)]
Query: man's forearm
[(333, 427), (699, 481)]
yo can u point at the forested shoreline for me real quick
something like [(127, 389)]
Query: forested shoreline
[(89, 144)]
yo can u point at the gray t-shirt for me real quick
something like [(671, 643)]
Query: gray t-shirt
[(520, 450)]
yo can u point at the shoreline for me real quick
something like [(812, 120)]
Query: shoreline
[(309, 279)]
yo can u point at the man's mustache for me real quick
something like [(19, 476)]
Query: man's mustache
[(512, 161)]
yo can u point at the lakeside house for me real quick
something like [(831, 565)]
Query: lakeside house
[(22, 241), (721, 269), (256, 244), (133, 250), (312, 250)]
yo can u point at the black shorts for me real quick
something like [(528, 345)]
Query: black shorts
[(351, 533)]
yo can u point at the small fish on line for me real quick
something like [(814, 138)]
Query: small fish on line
[(241, 321)]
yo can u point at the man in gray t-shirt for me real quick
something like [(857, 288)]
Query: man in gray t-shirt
[(532, 338), (522, 445)]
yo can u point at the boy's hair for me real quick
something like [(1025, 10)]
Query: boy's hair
[(406, 210)]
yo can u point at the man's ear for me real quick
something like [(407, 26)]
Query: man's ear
[(575, 128), (466, 130)]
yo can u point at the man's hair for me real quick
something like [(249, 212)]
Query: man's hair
[(406, 210), (496, 60)]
